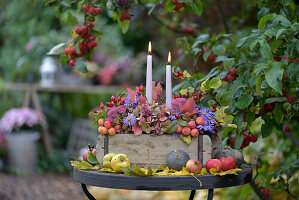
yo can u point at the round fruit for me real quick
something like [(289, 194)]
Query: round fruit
[(228, 163), (252, 138), (194, 132), (177, 159), (191, 124), (108, 124), (107, 160), (86, 153), (213, 164), (100, 129), (186, 131), (232, 72), (177, 116), (118, 127), (101, 122), (104, 130), (194, 166), (237, 155), (112, 131), (287, 128), (120, 161), (200, 121), (178, 129)]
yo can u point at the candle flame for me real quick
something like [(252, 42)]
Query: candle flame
[(150, 47), (169, 57)]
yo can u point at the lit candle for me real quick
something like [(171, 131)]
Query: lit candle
[(168, 83), (149, 74)]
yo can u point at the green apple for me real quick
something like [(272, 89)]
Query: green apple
[(107, 160), (120, 161)]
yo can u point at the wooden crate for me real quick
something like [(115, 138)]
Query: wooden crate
[(147, 150)]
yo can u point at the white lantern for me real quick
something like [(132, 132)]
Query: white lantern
[(48, 72)]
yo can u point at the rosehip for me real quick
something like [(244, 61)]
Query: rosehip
[(287, 129), (277, 58), (213, 110), (175, 96), (290, 99), (230, 78), (177, 116), (66, 51), (195, 98), (122, 103), (112, 98), (97, 11), (176, 75), (232, 140), (119, 98), (73, 50), (253, 138), (212, 57), (101, 105), (78, 30), (110, 104), (91, 11), (186, 95), (115, 101), (91, 25), (72, 62), (180, 73), (214, 106), (141, 88)]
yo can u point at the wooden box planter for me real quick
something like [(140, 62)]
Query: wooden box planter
[(147, 150)]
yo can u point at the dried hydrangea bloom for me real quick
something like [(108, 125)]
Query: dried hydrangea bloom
[(175, 104)]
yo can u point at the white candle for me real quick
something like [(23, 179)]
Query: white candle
[(168, 83), (149, 74)]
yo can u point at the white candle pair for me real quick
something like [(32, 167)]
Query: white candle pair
[(149, 78)]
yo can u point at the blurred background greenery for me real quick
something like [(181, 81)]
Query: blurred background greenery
[(27, 33)]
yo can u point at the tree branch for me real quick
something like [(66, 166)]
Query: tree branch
[(292, 138), (222, 17), (258, 191)]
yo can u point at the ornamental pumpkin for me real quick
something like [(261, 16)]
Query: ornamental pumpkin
[(237, 155), (177, 159)]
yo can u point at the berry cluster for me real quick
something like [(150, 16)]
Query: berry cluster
[(139, 89), (83, 36), (114, 101), (286, 129), (290, 59), (125, 16), (246, 141), (188, 30), (265, 191), (178, 5), (179, 75), (211, 57), (267, 108), (196, 96), (230, 77)]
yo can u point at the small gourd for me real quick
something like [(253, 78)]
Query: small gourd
[(177, 159), (237, 155)]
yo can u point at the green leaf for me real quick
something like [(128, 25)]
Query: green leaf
[(124, 25), (71, 19), (266, 128), (278, 99), (215, 82), (265, 50), (206, 55), (202, 38), (173, 126), (275, 44), (151, 10), (279, 32), (63, 60), (259, 67), (186, 139), (196, 7), (81, 66), (258, 87), (57, 49), (92, 158), (278, 114), (183, 123), (262, 23), (228, 63), (244, 101), (253, 44), (238, 141), (297, 45), (274, 76), (284, 21), (169, 6), (250, 117), (219, 49)]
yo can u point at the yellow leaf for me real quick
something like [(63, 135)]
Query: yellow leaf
[(232, 125), (253, 108), (183, 91), (203, 87), (222, 173), (110, 170)]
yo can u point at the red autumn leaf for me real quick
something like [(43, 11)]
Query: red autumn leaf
[(132, 95), (155, 91), (142, 100), (188, 108), (137, 129)]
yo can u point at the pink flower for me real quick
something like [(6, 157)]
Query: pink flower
[(28, 46), (175, 104), (114, 112)]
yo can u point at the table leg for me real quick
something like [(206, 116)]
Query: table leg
[(192, 194), (210, 194), (86, 192)]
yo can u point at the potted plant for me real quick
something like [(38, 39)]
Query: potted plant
[(21, 128)]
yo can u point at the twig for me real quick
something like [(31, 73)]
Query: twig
[(258, 191), (292, 138), (222, 17)]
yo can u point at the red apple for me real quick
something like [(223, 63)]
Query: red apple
[(228, 163), (194, 166), (86, 152), (214, 164)]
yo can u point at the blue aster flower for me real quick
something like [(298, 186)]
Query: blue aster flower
[(210, 121), (206, 113), (130, 120)]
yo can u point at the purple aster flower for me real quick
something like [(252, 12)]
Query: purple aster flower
[(206, 113), (210, 121), (130, 120)]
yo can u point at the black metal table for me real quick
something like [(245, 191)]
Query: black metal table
[(161, 183)]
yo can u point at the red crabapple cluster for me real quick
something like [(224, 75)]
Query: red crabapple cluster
[(246, 141), (230, 77), (84, 41)]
